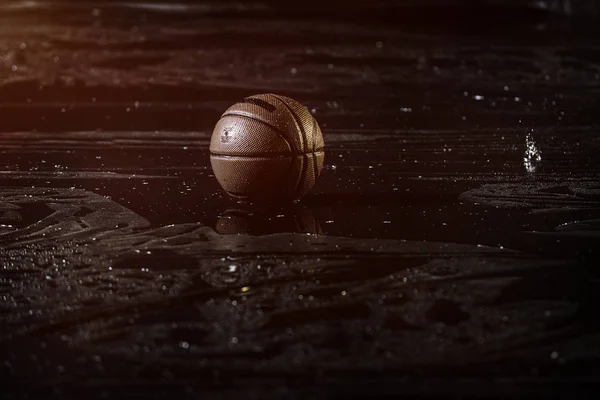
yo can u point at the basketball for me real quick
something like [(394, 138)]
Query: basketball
[(267, 146)]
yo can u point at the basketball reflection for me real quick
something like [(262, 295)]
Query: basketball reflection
[(251, 219)]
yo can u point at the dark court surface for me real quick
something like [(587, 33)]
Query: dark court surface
[(449, 249)]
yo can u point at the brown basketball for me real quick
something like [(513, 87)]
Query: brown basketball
[(267, 146)]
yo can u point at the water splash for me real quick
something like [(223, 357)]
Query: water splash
[(532, 156)]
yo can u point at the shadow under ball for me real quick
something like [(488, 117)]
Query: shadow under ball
[(252, 219), (267, 147)]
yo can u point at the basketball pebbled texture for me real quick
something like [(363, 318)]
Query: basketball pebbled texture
[(267, 146)]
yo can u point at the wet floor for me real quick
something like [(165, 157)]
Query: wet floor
[(450, 246)]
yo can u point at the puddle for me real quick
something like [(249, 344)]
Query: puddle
[(452, 236)]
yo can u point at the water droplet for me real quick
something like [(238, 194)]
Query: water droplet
[(533, 156)]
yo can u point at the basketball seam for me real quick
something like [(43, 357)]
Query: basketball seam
[(315, 168), (264, 155), (278, 131), (297, 121), (235, 194), (314, 136), (317, 129), (302, 174), (265, 105)]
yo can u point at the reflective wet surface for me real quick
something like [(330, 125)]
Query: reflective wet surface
[(450, 246)]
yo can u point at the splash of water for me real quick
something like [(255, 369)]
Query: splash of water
[(532, 156)]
